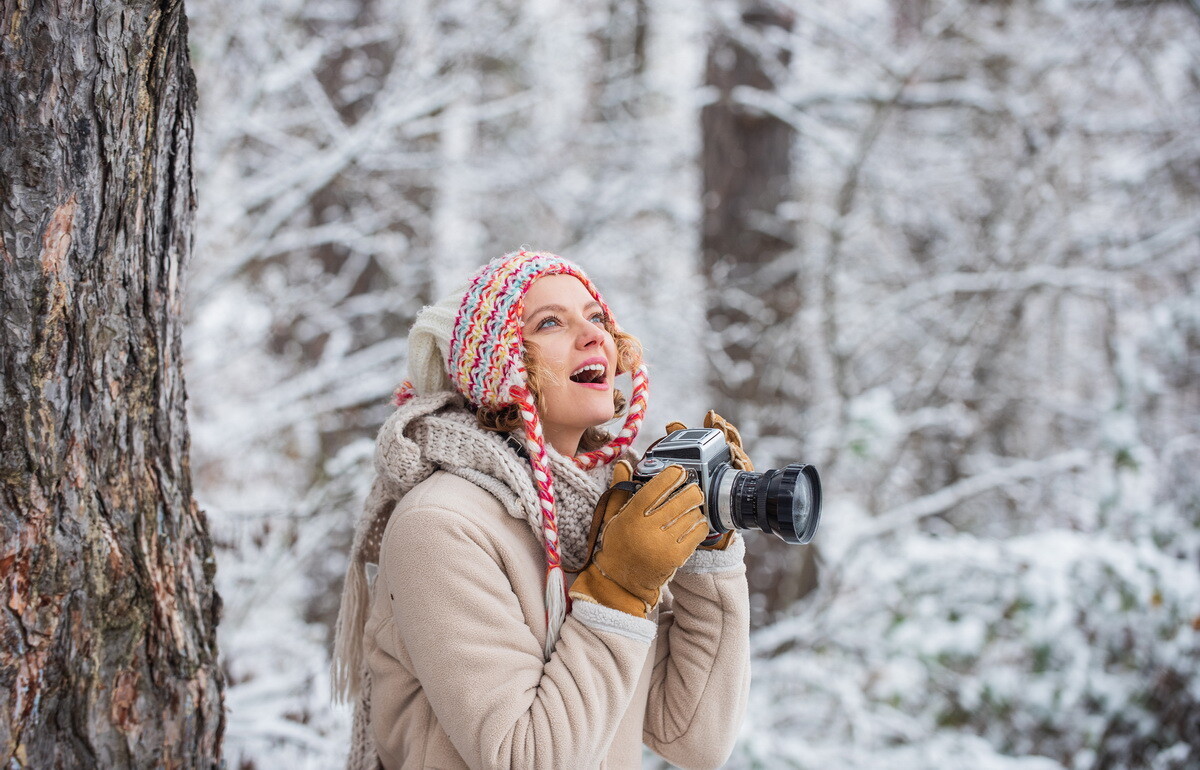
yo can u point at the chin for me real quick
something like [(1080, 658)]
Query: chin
[(598, 414), (579, 411)]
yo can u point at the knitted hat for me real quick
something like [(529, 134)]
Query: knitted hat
[(486, 364)]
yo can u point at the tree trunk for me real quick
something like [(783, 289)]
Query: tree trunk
[(747, 175), (109, 624), (753, 277)]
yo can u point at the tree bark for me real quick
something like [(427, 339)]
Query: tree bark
[(109, 654), (753, 277)]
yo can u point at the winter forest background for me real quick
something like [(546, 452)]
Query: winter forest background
[(947, 251)]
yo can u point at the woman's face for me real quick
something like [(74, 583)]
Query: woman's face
[(577, 359)]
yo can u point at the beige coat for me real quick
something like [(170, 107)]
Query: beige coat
[(454, 646)]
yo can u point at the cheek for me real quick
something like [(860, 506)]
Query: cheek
[(549, 362)]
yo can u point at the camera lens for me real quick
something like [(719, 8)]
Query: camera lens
[(785, 502), (806, 502)]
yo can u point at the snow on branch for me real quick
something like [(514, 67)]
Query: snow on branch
[(948, 497), (990, 281)]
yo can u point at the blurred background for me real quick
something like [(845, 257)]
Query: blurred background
[(946, 251)]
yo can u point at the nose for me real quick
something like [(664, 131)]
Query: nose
[(589, 336)]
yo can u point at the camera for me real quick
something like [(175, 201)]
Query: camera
[(785, 502)]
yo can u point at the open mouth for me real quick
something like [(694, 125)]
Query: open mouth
[(589, 374)]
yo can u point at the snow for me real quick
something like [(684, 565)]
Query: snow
[(992, 230)]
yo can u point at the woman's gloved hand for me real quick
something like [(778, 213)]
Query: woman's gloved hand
[(738, 459), (644, 537)]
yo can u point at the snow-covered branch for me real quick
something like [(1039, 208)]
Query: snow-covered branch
[(948, 497)]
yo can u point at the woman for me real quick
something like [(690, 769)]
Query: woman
[(466, 651)]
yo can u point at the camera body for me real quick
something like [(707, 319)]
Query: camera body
[(703, 452), (784, 502)]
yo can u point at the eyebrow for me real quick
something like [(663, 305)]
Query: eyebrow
[(556, 309)]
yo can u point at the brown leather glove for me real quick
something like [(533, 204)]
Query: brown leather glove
[(738, 459), (644, 537)]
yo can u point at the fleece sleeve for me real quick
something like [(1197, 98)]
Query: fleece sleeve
[(481, 666), (701, 676)]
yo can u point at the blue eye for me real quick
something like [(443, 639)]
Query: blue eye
[(547, 320)]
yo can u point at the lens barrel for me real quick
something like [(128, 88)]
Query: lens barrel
[(785, 502)]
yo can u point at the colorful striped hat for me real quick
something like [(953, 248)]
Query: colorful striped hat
[(486, 364)]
